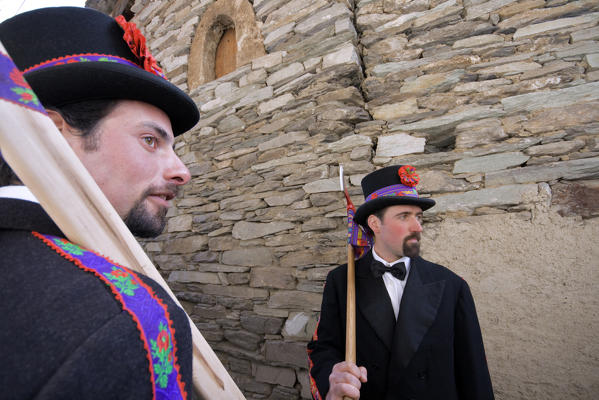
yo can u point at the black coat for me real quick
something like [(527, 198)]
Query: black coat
[(63, 335), (433, 351)]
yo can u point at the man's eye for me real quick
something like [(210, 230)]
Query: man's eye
[(150, 141)]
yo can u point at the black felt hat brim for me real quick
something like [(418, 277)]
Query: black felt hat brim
[(379, 203), (97, 80)]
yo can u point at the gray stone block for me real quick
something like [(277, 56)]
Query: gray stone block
[(551, 98), (586, 168), (275, 375), (501, 196), (399, 144), (493, 162), (295, 300), (269, 277), (321, 18), (558, 24), (244, 230), (447, 122), (194, 277), (556, 148), (323, 185), (190, 244), (285, 74), (248, 257)]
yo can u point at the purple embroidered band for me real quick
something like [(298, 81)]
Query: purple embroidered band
[(14, 88), (393, 190), (357, 236), (81, 58), (147, 310)]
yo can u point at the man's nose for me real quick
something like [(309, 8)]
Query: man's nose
[(416, 225), (176, 171)]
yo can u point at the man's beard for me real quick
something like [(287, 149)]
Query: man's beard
[(141, 222), (411, 249)]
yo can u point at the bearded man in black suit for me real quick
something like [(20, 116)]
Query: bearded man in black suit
[(417, 332)]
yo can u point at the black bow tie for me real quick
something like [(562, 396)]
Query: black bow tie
[(398, 270)]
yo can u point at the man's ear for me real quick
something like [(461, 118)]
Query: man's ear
[(71, 134), (58, 120), (374, 223)]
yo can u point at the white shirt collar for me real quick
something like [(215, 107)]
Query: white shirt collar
[(405, 260), (17, 192)]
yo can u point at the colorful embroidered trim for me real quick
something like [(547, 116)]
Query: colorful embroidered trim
[(14, 88), (393, 190), (357, 236), (147, 310), (77, 58)]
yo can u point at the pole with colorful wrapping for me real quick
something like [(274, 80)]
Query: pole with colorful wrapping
[(44, 161), (358, 242)]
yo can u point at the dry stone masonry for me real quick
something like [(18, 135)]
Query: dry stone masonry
[(496, 103)]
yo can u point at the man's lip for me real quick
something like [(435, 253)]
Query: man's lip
[(162, 198), (163, 195)]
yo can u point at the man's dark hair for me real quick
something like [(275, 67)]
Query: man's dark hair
[(83, 116), (380, 213)]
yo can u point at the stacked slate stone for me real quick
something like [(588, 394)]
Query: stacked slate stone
[(496, 103)]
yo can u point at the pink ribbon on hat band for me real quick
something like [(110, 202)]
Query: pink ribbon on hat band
[(393, 190)]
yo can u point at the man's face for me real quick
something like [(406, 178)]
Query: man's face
[(397, 234), (135, 164)]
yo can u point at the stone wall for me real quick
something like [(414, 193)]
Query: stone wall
[(497, 105)]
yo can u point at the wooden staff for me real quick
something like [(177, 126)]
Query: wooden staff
[(350, 312), (41, 157)]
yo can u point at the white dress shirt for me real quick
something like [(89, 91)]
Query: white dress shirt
[(17, 192), (394, 286)]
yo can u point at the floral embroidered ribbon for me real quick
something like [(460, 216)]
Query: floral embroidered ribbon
[(14, 88), (147, 310), (77, 58), (393, 190), (356, 235)]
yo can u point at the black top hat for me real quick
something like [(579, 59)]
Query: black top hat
[(73, 54), (390, 186)]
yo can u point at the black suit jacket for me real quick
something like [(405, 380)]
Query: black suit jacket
[(433, 351), (63, 335)]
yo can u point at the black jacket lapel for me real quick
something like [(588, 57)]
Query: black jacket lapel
[(417, 312), (373, 301)]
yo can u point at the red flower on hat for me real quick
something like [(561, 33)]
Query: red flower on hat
[(137, 43), (408, 176)]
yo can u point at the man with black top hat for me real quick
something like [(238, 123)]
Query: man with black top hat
[(417, 333), (74, 324)]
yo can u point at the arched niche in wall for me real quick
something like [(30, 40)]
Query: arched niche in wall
[(223, 17)]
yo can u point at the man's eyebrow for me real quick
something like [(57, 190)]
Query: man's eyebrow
[(159, 130)]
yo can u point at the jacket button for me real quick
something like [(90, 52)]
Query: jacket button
[(421, 375)]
